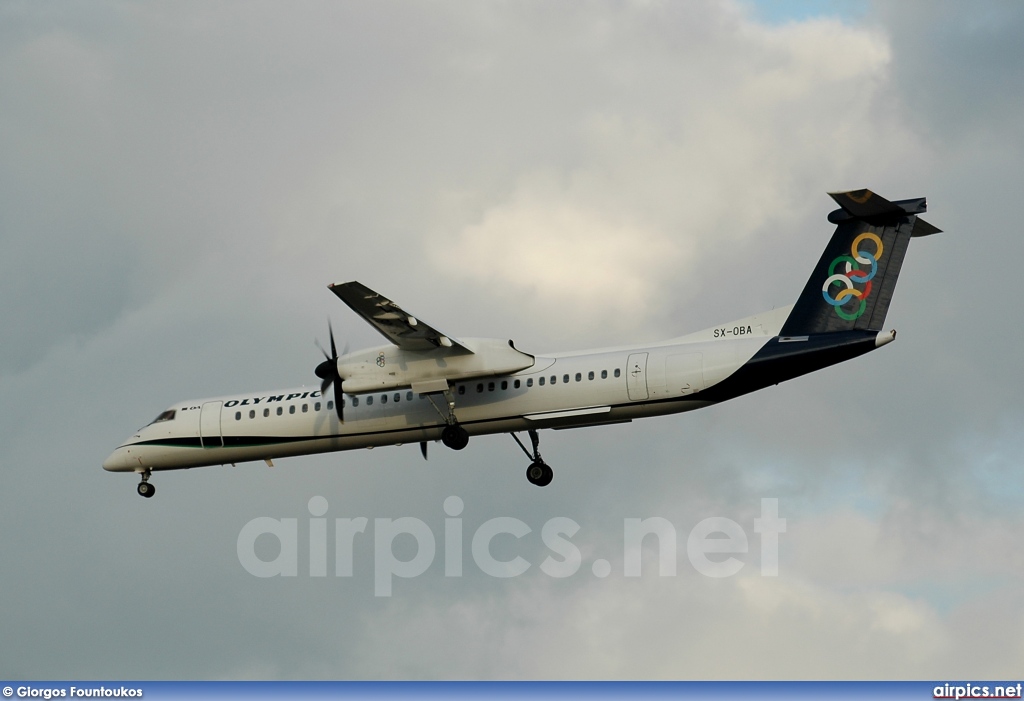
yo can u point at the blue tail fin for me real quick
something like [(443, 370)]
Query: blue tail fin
[(853, 283)]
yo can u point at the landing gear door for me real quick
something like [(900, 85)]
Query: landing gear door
[(636, 376), (209, 425)]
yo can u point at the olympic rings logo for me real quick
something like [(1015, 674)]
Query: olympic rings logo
[(854, 274)]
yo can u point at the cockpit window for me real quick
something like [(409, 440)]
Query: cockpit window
[(166, 416)]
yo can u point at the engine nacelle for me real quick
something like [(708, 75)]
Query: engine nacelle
[(387, 367)]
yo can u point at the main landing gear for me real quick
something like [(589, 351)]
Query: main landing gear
[(145, 489), (453, 436), (539, 473)]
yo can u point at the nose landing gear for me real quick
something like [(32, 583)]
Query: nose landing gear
[(538, 473), (145, 489)]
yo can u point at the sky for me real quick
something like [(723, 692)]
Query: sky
[(180, 182)]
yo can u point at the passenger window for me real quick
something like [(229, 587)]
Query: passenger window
[(305, 408), (604, 374), (617, 373), (238, 416), (462, 389), (516, 385), (554, 379), (252, 413), (540, 382), (529, 381), (280, 411), (565, 378), (480, 387), (504, 384), (330, 406), (590, 375), (397, 397), (316, 407), (579, 376), (383, 399), (355, 401), (266, 413), (490, 386), (291, 409), (408, 396), (369, 400)]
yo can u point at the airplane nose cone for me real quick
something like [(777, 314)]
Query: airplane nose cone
[(116, 461)]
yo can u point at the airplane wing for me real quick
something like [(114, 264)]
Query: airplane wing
[(397, 325)]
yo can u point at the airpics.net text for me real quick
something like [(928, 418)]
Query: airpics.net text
[(711, 545)]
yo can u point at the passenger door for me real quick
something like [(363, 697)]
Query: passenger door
[(636, 376), (209, 425)]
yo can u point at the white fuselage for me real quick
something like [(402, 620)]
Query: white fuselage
[(556, 391)]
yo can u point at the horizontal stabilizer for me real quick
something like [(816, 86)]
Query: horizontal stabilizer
[(875, 209), (923, 228), (864, 204)]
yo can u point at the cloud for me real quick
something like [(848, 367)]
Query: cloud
[(669, 168), (569, 257), (673, 630), (831, 613)]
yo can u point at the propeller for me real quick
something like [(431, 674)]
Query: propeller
[(328, 372)]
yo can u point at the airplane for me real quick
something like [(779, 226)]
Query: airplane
[(425, 385)]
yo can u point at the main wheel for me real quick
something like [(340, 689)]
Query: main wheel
[(455, 437), (540, 474), (145, 489)]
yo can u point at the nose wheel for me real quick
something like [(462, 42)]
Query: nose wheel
[(145, 489), (539, 472)]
